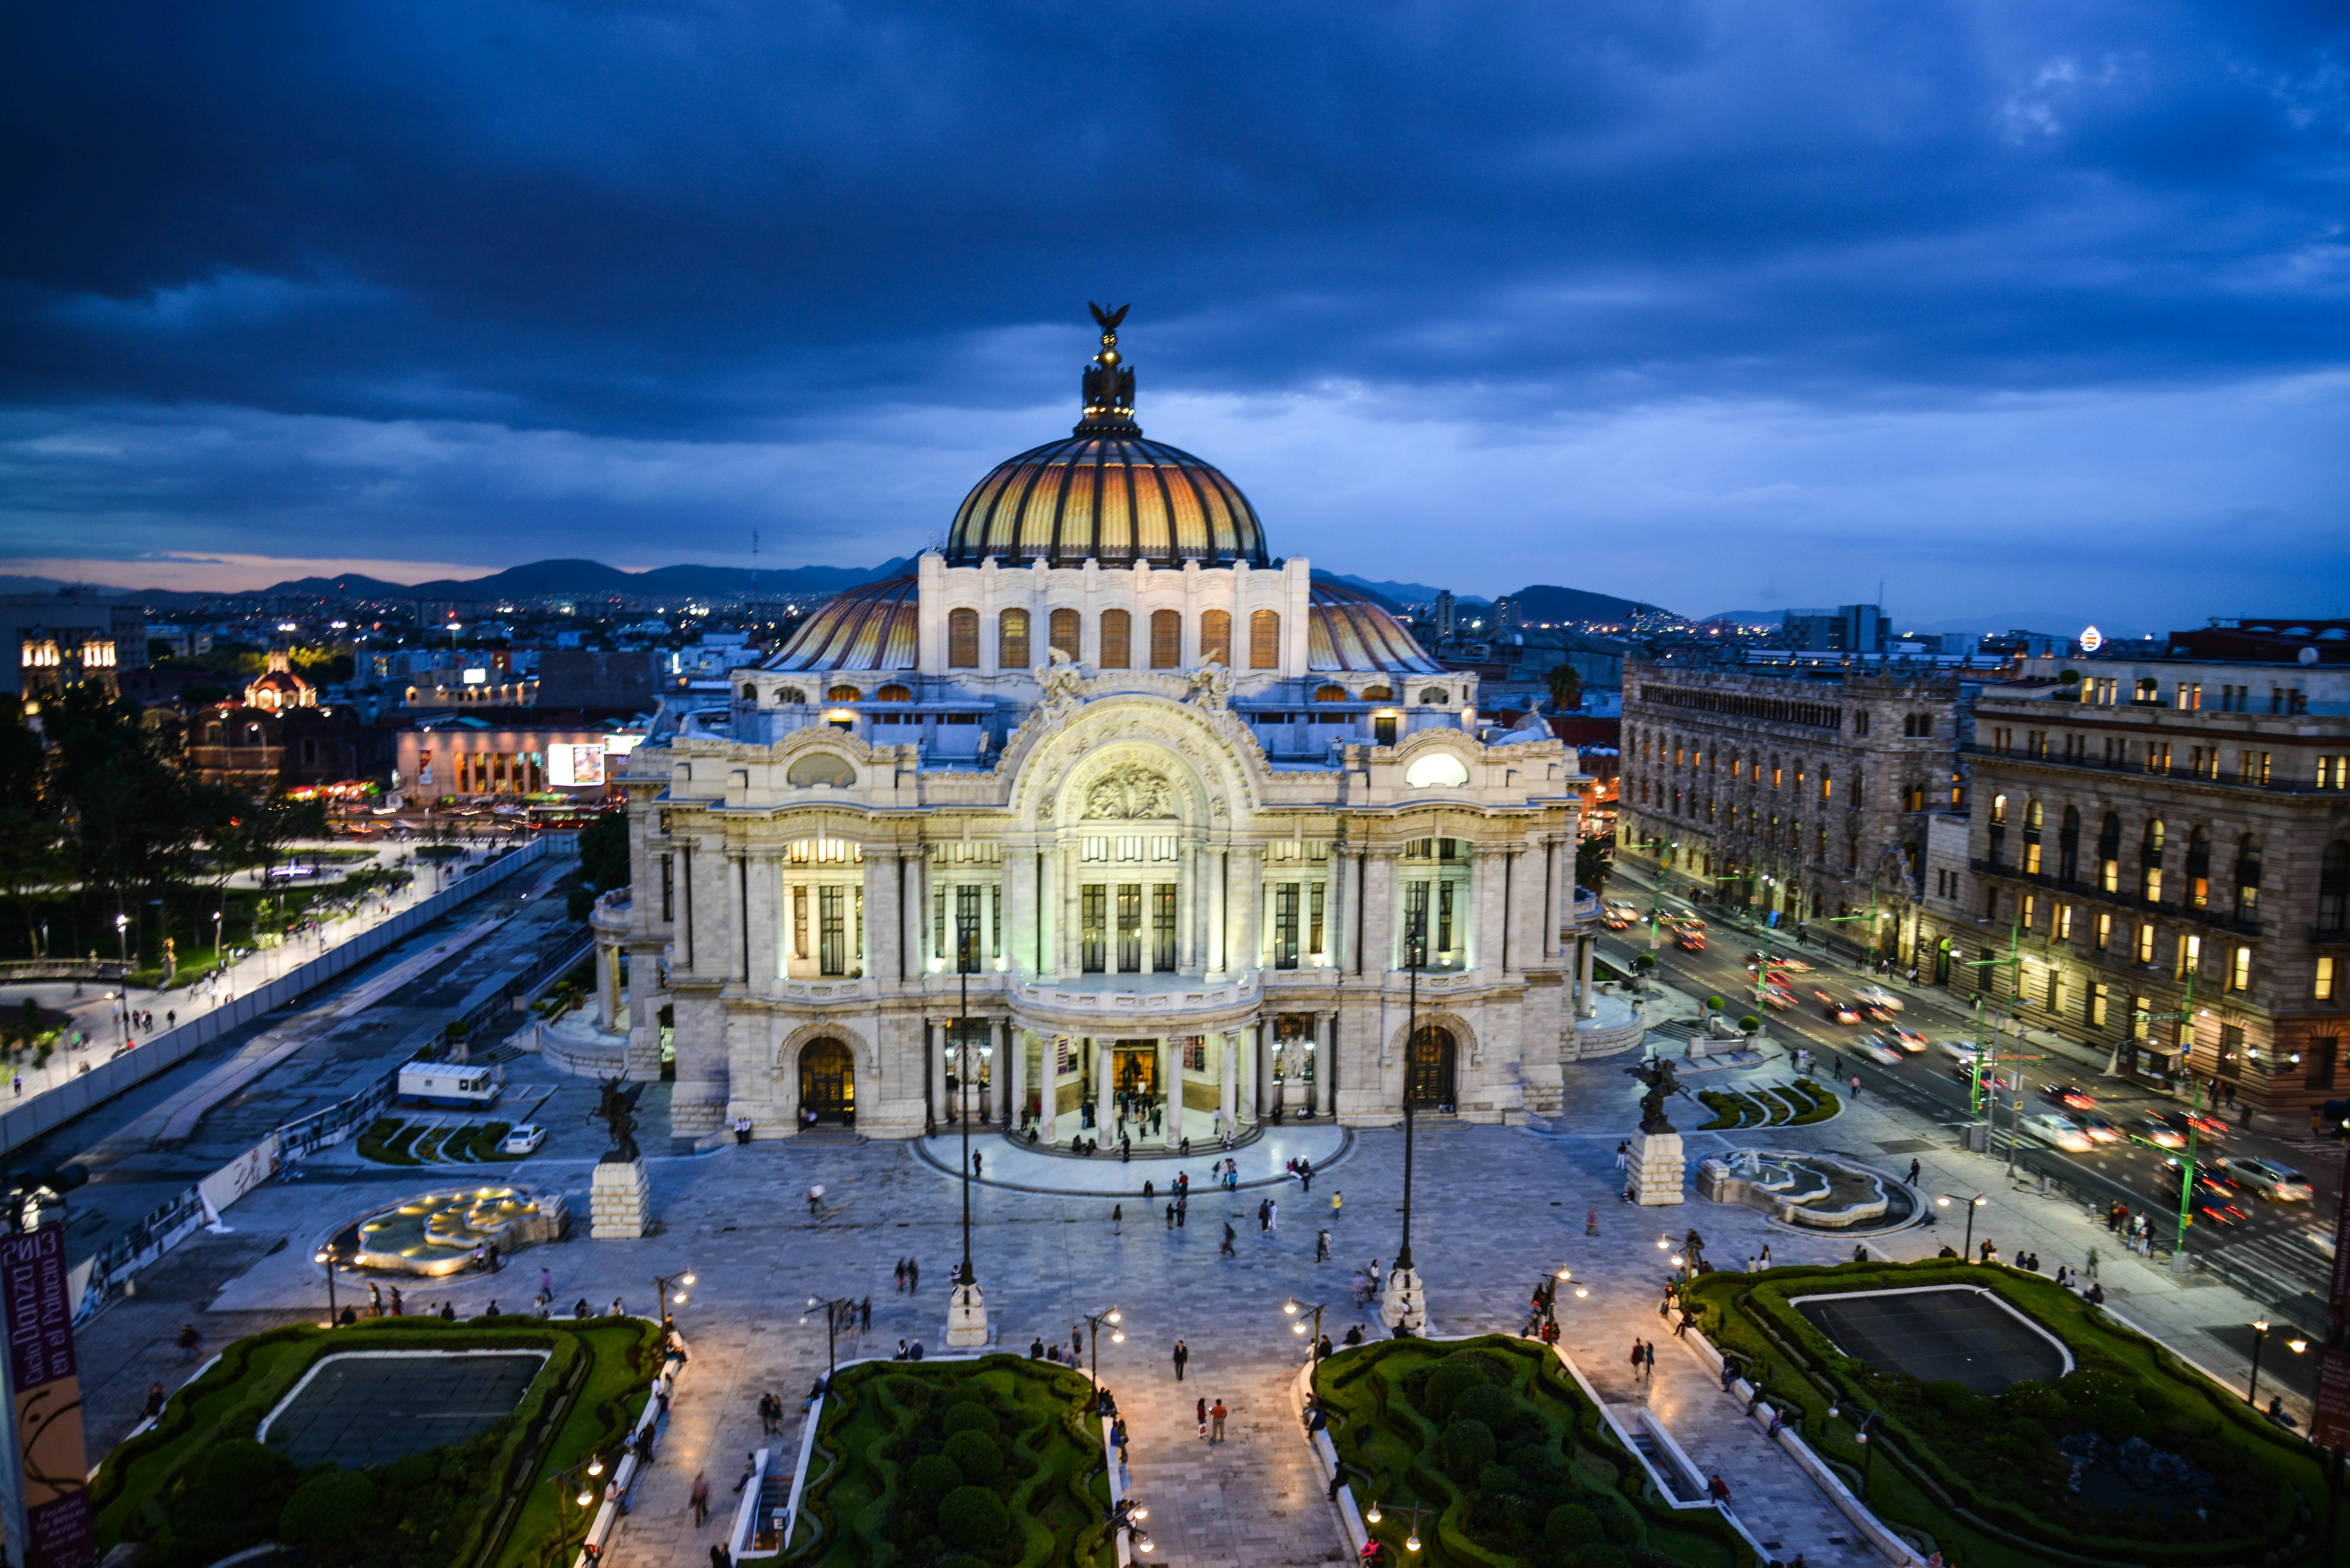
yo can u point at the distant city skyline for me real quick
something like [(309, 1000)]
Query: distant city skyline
[(1717, 305)]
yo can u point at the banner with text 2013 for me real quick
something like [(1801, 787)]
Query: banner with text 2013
[(45, 1398)]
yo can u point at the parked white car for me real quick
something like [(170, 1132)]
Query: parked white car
[(2062, 1131), (523, 1139)]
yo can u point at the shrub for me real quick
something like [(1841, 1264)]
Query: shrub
[(1501, 1480), (1602, 1556), (971, 1517), (1498, 1408), (1750, 1024), (332, 1515), (1571, 1525), (2031, 1400), (1468, 1448), (931, 1478), (1453, 1377), (970, 1416), (977, 1456)]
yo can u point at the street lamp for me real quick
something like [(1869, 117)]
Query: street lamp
[(1094, 1321), (1580, 1291), (1295, 1308), (328, 1256), (1411, 1541), (661, 1297), (1404, 1308), (572, 1486), (832, 1310), (967, 1317), (1128, 1516), (122, 944), (2259, 1337), (1966, 1252), (1868, 1449)]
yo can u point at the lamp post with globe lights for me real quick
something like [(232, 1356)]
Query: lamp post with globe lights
[(1295, 1308), (1094, 1321), (1966, 1252), (1128, 1516), (1380, 1511), (832, 1310), (2296, 1344), (665, 1299), (966, 1302), (1404, 1305)]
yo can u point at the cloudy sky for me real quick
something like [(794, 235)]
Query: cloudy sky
[(1720, 305)]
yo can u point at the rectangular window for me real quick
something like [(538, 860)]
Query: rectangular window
[(2232, 1047), (2334, 773), (2146, 944), (1063, 633), (1415, 920), (669, 890), (2252, 768), (996, 921), (1991, 903), (1093, 922), (1284, 925), (1162, 926), (2153, 886), (2031, 857), (799, 920), (2317, 1061), (2158, 756), (1216, 638), (1314, 895), (2063, 922), (1165, 640), (962, 639), (831, 930), (1117, 639), (2030, 909), (2105, 936), (2191, 696), (2239, 970), (1264, 640), (1012, 639), (2323, 989), (2109, 876), (965, 936), (1444, 916), (2188, 959), (2100, 998), (1129, 928), (2055, 991)]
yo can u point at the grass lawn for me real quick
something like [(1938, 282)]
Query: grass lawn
[(474, 1505), (2171, 1469), (1511, 1462), (898, 1476)]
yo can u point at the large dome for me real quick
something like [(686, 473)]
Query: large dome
[(1105, 494)]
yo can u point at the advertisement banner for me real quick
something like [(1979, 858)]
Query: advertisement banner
[(574, 766), (45, 1395)]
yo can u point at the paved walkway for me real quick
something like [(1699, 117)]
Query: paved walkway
[(1263, 1161)]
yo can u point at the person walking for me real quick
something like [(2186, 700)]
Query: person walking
[(1337, 1202), (1226, 1249), (1183, 1354), (1591, 1222), (1216, 1414), (913, 1276), (1117, 1219), (1322, 1246), (1855, 1085), (699, 1500), (1183, 1209), (1272, 1215), (188, 1341), (901, 1285), (1203, 1420), (1649, 1360), (865, 1316), (1170, 1214), (1913, 1173), (1637, 1361), (2092, 1267)]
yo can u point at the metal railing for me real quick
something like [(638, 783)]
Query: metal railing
[(21, 970), (2217, 919), (2233, 778)]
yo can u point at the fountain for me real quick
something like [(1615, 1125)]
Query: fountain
[(1814, 1191), (435, 1234)]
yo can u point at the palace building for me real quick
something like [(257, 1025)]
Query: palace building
[(1102, 799)]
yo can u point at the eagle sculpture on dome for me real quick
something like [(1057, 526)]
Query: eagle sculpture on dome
[(1108, 387), (1109, 319)]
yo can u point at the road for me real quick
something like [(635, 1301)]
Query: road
[(2273, 1242)]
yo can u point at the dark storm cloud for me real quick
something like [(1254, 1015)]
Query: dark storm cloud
[(734, 223)]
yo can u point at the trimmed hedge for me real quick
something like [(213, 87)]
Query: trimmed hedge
[(1496, 1437), (1983, 1476), (997, 1461), (438, 1508)]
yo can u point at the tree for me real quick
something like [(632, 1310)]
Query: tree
[(1595, 861), (603, 861), (32, 835), (1566, 685)]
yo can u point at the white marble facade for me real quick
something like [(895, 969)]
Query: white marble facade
[(1170, 839)]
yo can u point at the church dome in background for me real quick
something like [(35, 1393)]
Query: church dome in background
[(1105, 494)]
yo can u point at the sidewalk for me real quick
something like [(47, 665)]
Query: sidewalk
[(1263, 1161)]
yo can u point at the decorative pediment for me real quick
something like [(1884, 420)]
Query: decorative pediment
[(1130, 792)]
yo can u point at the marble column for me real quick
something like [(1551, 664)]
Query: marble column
[(1019, 896), (1228, 1078), (934, 1042), (1170, 1080), (765, 882), (1216, 864), (1339, 946), (1586, 948), (1247, 918), (1104, 1107), (1012, 1062), (608, 986), (1251, 1070)]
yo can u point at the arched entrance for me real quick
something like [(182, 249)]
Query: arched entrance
[(827, 1082), (1427, 1076)]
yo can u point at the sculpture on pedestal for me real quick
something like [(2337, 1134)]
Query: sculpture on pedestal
[(620, 1194), (1662, 1086)]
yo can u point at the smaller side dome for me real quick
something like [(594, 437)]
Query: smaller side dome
[(868, 627), (1347, 630)]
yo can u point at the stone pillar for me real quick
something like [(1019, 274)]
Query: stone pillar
[(935, 1041), (1586, 947), (1228, 1078), (1016, 1102), (619, 1201), (1104, 1107), (1656, 1168), (1171, 1079), (1247, 917), (1019, 898), (922, 895), (1253, 1071), (763, 885), (608, 986), (1215, 864), (1338, 910), (1380, 915)]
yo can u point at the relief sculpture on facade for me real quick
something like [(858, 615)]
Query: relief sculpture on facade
[(1131, 793)]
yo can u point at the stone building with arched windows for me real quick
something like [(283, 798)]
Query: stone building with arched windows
[(1160, 806)]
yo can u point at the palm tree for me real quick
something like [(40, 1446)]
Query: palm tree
[(1565, 686)]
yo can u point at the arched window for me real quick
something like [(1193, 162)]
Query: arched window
[(893, 693), (1264, 640), (2068, 845), (790, 694), (1329, 694), (2109, 835), (1379, 694), (2199, 868), (1117, 639), (1998, 830), (2333, 886), (2032, 820), (1438, 696), (1999, 809), (2150, 846), (844, 694), (1063, 633), (1012, 639), (1216, 638), (2248, 878), (1165, 640), (750, 692), (962, 639)]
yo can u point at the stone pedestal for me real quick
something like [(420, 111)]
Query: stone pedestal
[(1404, 1304), (1656, 1168), (966, 1318), (619, 1201)]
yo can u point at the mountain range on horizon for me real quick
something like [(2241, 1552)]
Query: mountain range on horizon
[(2057, 623)]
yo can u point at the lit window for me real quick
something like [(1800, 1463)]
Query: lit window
[(2325, 988), (2239, 970)]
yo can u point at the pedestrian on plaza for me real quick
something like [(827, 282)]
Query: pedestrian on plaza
[(1264, 1215), (1717, 1489), (1117, 1219), (1216, 1414), (1203, 1420), (1591, 1222), (155, 1400), (865, 1316), (1183, 1354), (719, 1557), (1990, 1251), (447, 1312), (699, 1500), (1037, 1348), (1648, 1359), (913, 1276), (1322, 1246), (977, 1161), (1150, 1193), (1306, 1176), (1171, 1215), (750, 1468), (1913, 1173), (1638, 1359), (1624, 1155), (1226, 1249), (375, 1298), (398, 1307), (188, 1341), (1124, 1149), (1855, 1085), (813, 1194), (1337, 1202), (1183, 1209)]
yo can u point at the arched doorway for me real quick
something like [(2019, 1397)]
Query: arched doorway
[(827, 1082), (1428, 1077)]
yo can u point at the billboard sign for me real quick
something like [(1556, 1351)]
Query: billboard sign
[(2329, 1427), (50, 1465), (570, 766)]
